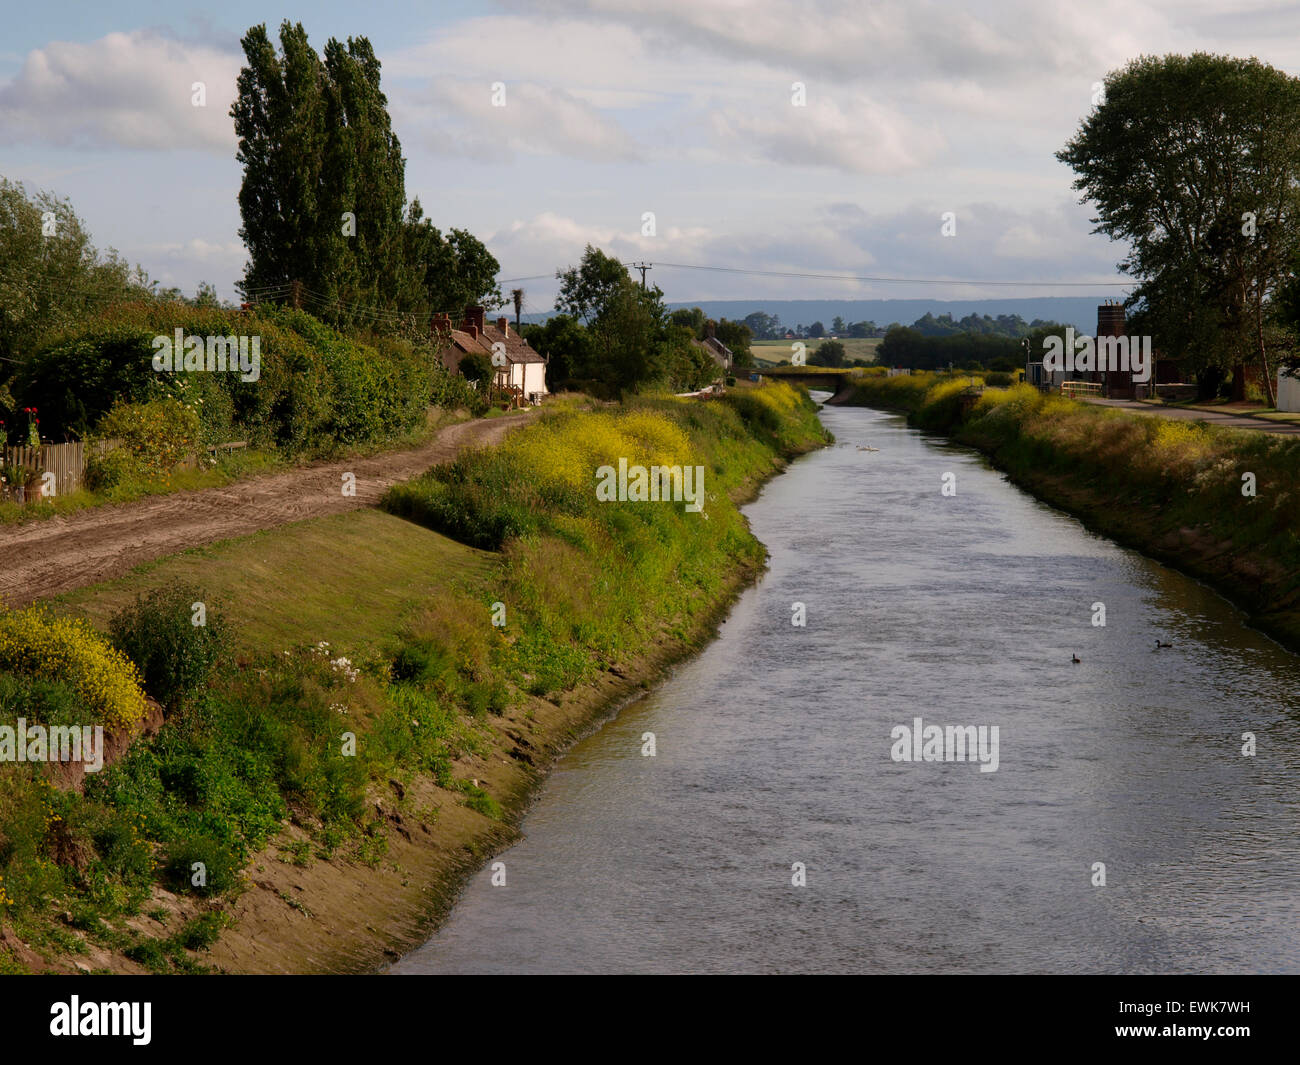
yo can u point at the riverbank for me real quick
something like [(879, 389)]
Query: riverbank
[(1218, 504), (367, 625)]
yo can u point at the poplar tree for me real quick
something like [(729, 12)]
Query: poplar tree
[(323, 200)]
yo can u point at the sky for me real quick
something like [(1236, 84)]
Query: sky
[(689, 110)]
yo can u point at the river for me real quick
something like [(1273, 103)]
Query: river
[(773, 747)]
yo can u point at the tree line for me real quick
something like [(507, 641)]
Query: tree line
[(768, 326)]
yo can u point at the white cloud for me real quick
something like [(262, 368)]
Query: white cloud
[(128, 90), (459, 117), (859, 136), (993, 242)]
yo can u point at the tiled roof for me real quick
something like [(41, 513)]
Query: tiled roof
[(517, 348)]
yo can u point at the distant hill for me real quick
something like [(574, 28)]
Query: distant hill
[(1078, 311)]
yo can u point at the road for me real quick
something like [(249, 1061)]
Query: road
[(1228, 421), (45, 558)]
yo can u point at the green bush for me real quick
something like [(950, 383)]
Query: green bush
[(158, 434), (174, 655), (476, 368), (114, 468), (220, 866), (998, 380), (316, 390)]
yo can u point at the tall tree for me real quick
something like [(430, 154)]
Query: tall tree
[(1194, 160), (588, 288), (279, 115), (323, 197)]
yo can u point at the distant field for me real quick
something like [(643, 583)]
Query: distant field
[(780, 350)]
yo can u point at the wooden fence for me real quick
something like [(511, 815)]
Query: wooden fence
[(66, 461), (68, 464)]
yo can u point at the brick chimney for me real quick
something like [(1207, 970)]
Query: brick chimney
[(504, 325), (440, 323), (476, 317), (1110, 319), (709, 329)]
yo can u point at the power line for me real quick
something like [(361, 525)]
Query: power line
[(898, 280), (644, 266)]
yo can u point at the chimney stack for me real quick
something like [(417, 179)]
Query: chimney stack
[(1110, 319), (503, 324), (477, 317)]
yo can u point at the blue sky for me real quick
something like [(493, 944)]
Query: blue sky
[(679, 107)]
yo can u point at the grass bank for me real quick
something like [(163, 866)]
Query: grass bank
[(385, 699), (1219, 504)]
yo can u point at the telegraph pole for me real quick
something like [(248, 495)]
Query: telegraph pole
[(643, 267)]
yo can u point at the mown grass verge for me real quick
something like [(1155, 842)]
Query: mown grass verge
[(1179, 491)]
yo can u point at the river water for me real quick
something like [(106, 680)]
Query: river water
[(774, 748)]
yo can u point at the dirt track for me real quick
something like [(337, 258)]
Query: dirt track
[(44, 558)]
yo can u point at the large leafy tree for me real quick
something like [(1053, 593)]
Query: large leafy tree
[(828, 353), (1193, 160), (363, 177), (51, 278), (568, 349), (323, 195), (453, 271), (51, 275), (626, 322)]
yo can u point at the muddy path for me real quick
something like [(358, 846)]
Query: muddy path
[(45, 558)]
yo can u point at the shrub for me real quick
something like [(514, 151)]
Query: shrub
[(219, 866), (998, 380), (175, 655), (52, 648), (476, 368), (157, 434), (316, 388), (113, 468), (201, 932)]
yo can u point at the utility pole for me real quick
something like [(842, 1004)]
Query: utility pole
[(643, 267)]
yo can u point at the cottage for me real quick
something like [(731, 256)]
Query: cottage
[(716, 349), (520, 372)]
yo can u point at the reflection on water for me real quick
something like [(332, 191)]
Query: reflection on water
[(773, 748)]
